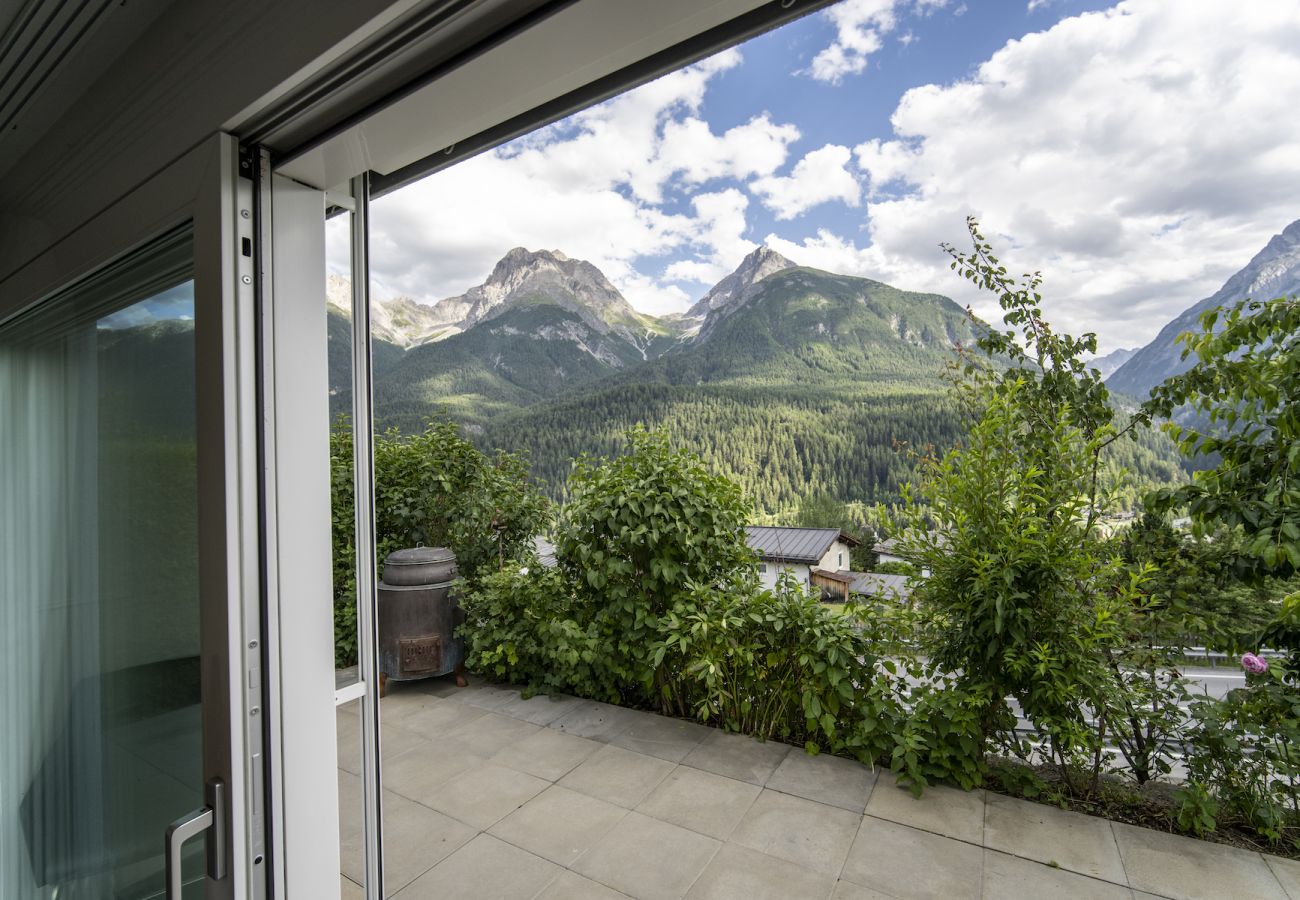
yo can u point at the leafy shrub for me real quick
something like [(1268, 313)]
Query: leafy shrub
[(432, 489), (771, 663), (1242, 394), (638, 531), (1243, 756), (1243, 759), (894, 567), (521, 627), (940, 736)]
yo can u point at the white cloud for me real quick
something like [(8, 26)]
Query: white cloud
[(860, 29), (593, 186), (821, 176), (1137, 156)]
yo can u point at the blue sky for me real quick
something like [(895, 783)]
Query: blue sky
[(1138, 153)]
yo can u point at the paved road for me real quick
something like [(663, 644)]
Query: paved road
[(1213, 682)]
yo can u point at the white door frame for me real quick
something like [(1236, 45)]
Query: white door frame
[(302, 750)]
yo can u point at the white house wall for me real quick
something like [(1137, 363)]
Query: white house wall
[(769, 572), (836, 558)]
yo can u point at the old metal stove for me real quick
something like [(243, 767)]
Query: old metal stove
[(418, 615)]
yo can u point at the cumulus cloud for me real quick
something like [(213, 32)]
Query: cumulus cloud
[(860, 29), (1137, 156), (594, 186), (821, 176)]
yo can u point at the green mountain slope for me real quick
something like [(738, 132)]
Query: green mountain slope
[(338, 332), (806, 386), (817, 382), (518, 358)]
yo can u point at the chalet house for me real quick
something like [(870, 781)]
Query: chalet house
[(815, 556), (887, 551)]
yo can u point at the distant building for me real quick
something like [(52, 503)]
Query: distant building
[(887, 551), (878, 586), (545, 551), (815, 556)]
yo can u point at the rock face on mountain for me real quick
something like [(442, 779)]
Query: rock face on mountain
[(740, 286), (397, 320), (548, 277), (1110, 362), (1274, 272)]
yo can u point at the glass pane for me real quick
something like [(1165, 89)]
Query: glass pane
[(99, 605)]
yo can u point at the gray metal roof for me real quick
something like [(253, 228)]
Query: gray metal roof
[(876, 584), (545, 551), (797, 545)]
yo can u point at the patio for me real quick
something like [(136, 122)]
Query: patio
[(489, 795)]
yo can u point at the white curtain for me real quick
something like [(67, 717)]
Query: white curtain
[(50, 729)]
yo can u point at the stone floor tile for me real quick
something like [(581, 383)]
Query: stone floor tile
[(547, 754), (350, 804), (648, 859), (941, 809), (420, 773), (618, 776), (484, 695), (440, 720), (1048, 834), (559, 824), (701, 801), (829, 779), (906, 863), (1287, 872), (416, 838), (596, 721), (1011, 878), (1186, 868), (484, 869), (403, 699), (491, 733), (660, 736), (350, 890), (799, 831), (737, 756), (394, 740), (540, 709), (485, 794), (572, 886), (738, 873), (847, 890)]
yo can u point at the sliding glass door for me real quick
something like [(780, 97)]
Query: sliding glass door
[(132, 746), (99, 598)]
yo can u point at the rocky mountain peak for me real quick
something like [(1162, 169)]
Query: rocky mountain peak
[(531, 277), (737, 288)]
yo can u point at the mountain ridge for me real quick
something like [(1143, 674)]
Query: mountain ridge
[(1273, 271)]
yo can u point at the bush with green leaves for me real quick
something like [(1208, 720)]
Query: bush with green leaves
[(772, 663), (522, 626), (1024, 596), (1243, 759), (638, 531), (1239, 405), (431, 489)]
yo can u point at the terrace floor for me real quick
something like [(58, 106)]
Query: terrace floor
[(488, 795)]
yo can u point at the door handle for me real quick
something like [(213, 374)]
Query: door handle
[(210, 818)]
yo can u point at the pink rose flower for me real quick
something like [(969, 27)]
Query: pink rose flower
[(1254, 664)]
